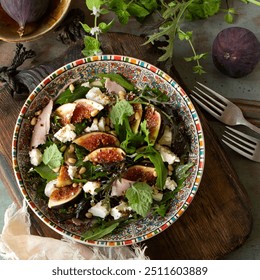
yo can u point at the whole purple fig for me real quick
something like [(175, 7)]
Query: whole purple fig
[(25, 11), (235, 51)]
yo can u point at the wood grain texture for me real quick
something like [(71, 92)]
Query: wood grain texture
[(219, 218)]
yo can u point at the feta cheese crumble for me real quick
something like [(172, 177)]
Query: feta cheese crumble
[(90, 187), (72, 171), (66, 133), (170, 184), (167, 155), (99, 210), (35, 157), (120, 210)]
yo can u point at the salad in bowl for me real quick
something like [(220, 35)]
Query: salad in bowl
[(107, 151)]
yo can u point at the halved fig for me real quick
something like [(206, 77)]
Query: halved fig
[(153, 119), (141, 173), (85, 109), (64, 195), (63, 177), (107, 155), (94, 140), (65, 112), (135, 119)]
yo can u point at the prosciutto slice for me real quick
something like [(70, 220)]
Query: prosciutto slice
[(42, 127)]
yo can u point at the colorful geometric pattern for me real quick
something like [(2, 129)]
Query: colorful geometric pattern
[(140, 73)]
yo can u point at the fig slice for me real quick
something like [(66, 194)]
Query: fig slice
[(94, 140), (106, 155), (64, 195), (65, 112), (63, 177), (153, 119), (85, 109), (135, 119), (141, 173)]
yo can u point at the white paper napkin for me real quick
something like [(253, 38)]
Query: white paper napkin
[(16, 243)]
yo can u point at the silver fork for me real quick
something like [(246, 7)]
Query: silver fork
[(220, 107), (243, 144)]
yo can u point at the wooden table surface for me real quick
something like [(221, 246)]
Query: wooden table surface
[(218, 220)]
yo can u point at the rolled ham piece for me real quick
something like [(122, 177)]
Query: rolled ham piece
[(42, 127)]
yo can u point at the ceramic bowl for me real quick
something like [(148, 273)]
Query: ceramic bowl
[(140, 73), (54, 15)]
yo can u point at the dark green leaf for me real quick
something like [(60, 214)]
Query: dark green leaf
[(137, 11), (45, 172), (98, 231), (67, 96), (118, 79)]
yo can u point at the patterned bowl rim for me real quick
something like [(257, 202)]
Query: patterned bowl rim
[(139, 63)]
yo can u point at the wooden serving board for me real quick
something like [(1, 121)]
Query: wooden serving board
[(218, 220)]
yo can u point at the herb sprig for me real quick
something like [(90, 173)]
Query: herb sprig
[(172, 13)]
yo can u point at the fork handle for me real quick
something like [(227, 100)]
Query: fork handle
[(251, 126)]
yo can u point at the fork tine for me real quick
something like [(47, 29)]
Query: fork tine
[(249, 150), (252, 139), (208, 102), (237, 150), (212, 99), (240, 140), (214, 93), (204, 106)]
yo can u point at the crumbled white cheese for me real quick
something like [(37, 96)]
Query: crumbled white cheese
[(166, 138), (99, 210), (166, 154), (90, 187), (100, 126), (170, 184), (66, 133), (97, 95), (50, 187), (120, 210), (35, 157), (72, 169)]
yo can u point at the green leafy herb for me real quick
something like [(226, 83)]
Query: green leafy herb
[(119, 79), (52, 157), (155, 157), (140, 198), (121, 111), (182, 172), (99, 231), (92, 46), (67, 96), (45, 172)]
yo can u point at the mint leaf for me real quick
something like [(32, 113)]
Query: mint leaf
[(104, 27), (93, 3), (120, 111), (137, 11), (92, 46), (140, 198), (52, 157), (45, 172)]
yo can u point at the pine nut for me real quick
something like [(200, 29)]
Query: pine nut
[(33, 121), (88, 215), (71, 87), (72, 160), (71, 149), (82, 170), (74, 185)]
